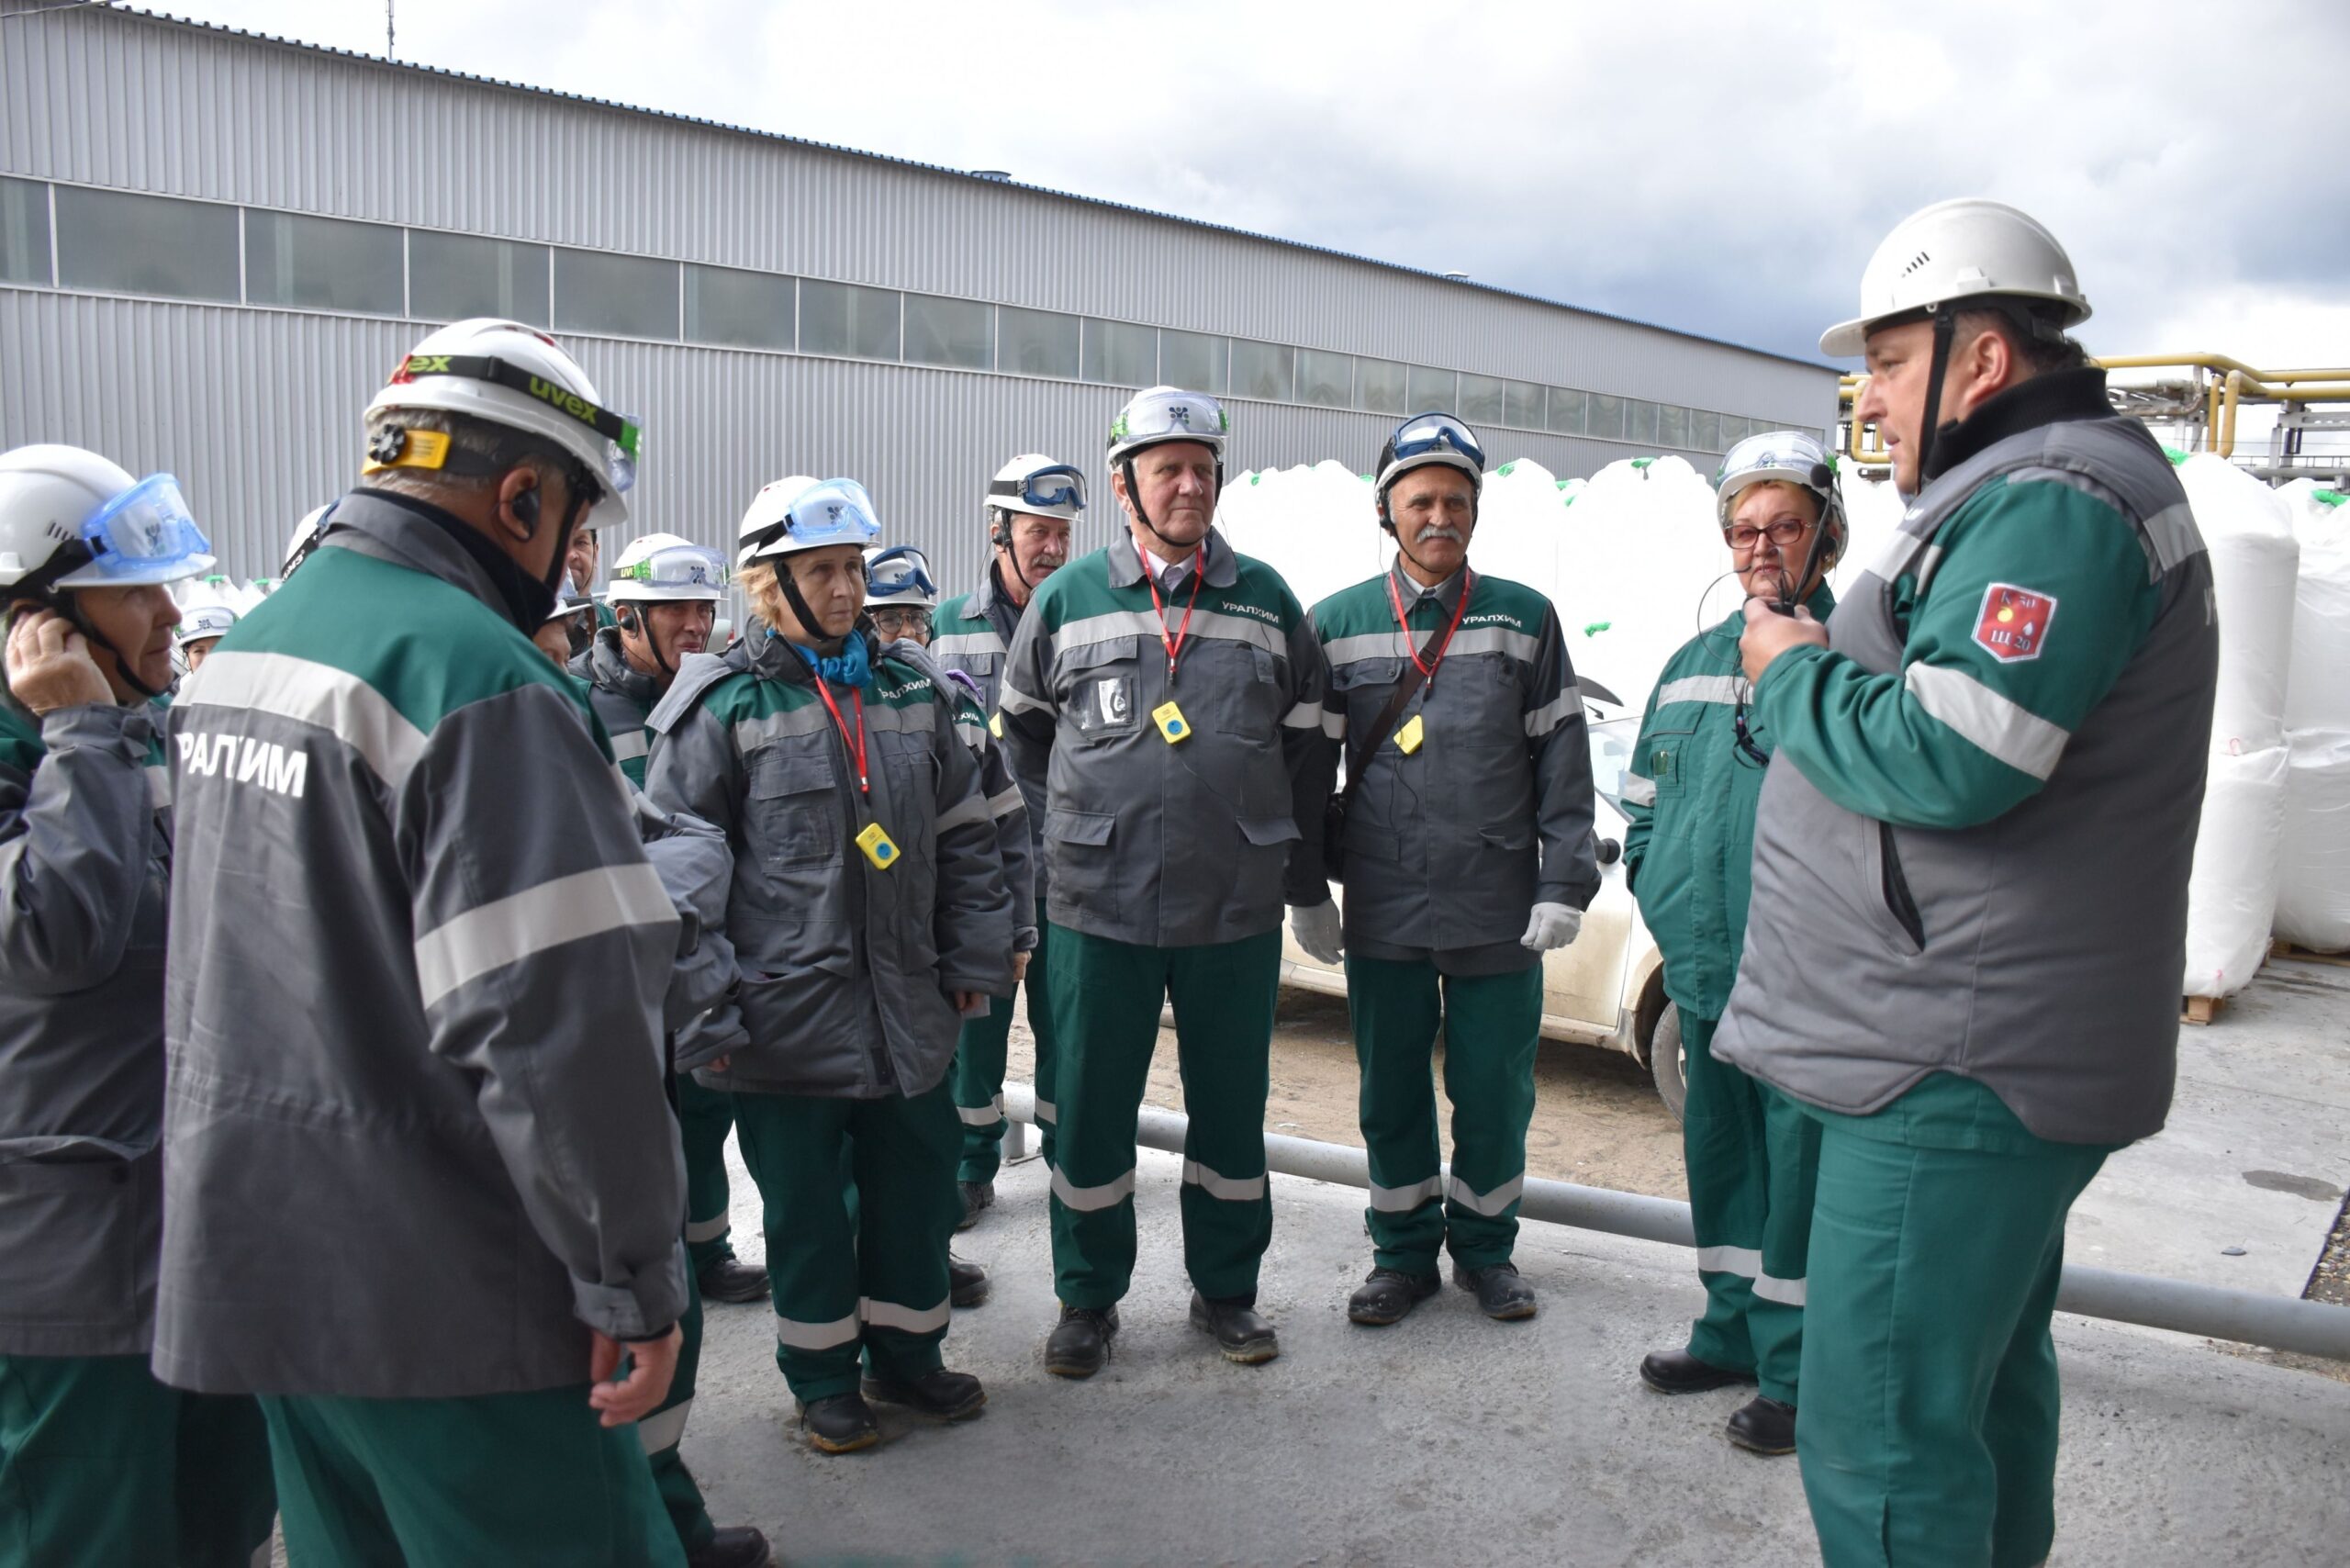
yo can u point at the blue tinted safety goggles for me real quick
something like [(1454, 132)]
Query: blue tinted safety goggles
[(1058, 489)]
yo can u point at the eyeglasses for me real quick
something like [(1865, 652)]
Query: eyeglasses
[(1785, 533), (901, 620)]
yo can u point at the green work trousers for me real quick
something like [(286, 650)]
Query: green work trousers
[(704, 1118), (1492, 1026), (875, 1281), (980, 1055), (1754, 1158), (664, 1430), (1105, 997), (513, 1479), (101, 1465), (1926, 1433)]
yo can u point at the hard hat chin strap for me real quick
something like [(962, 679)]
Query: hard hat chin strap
[(1945, 328), (810, 627), (1134, 498), (69, 606)]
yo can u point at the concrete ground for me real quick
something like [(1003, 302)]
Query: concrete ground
[(1447, 1438)]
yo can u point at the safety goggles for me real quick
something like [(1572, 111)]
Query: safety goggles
[(1426, 434), (624, 432), (1057, 488), (899, 569), (676, 569), (1170, 416), (834, 511), (144, 531)]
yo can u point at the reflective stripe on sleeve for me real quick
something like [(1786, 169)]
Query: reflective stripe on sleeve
[(1639, 791), (664, 1430), (508, 930), (1403, 1200), (1723, 688), (1304, 716), (971, 809), (1491, 1204), (630, 744), (1551, 714), (1228, 1189), (1001, 806), (158, 786), (794, 1335), (906, 1320), (1088, 1200), (2016, 735), (1011, 700), (985, 1116), (950, 648)]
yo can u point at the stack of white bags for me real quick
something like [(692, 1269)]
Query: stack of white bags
[(2313, 886)]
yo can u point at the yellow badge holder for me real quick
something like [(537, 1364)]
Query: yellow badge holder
[(878, 846), (995, 723), (1408, 738), (1172, 723)]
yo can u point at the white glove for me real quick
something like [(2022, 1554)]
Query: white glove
[(1317, 929), (1553, 926)]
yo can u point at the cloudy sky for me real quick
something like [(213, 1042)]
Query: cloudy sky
[(1720, 168)]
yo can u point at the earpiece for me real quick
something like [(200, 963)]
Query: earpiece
[(526, 507), (626, 615)]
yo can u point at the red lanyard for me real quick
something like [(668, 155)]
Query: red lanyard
[(857, 749), (1427, 667), (1174, 644)]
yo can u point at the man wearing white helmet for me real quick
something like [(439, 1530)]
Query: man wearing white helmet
[(418, 965), (563, 636), (199, 630), (1971, 860), (1163, 699), (1689, 797), (100, 1462), (1031, 505), (303, 540), (1465, 846), (867, 911)]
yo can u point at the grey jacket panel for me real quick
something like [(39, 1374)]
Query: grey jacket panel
[(981, 652), (845, 966), (84, 862), (1162, 845), (697, 871), (2055, 932), (414, 1008), (1006, 803)]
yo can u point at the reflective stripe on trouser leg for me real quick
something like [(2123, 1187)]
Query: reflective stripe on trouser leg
[(904, 1151), (1105, 998), (1723, 1152), (1038, 988), (704, 1118), (1927, 1431), (978, 1078), (1775, 1316), (1493, 1025), (660, 1433), (1395, 1005), (794, 1145), (1224, 997)]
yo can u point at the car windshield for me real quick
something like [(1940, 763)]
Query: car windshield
[(1611, 752)]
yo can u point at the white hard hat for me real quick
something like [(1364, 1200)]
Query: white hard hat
[(1034, 484), (1961, 248), (305, 539), (508, 374), (70, 518), (1160, 414), (830, 511), (766, 513), (662, 567), (1431, 438), (570, 601), (899, 573), (203, 620), (1786, 457)]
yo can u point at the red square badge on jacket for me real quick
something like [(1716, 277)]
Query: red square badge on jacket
[(2014, 622)]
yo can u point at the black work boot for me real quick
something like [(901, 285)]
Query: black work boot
[(1241, 1331), (1500, 1294), (1764, 1425), (729, 1280), (977, 1196), (966, 1283), (738, 1547), (1387, 1294), (948, 1395), (1079, 1345), (1678, 1372), (839, 1423)]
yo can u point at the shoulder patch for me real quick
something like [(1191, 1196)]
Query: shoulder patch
[(2012, 625)]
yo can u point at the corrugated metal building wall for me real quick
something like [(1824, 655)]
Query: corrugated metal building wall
[(256, 408)]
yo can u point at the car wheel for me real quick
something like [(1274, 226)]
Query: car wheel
[(1668, 1061)]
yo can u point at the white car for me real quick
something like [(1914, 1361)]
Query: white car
[(1607, 987)]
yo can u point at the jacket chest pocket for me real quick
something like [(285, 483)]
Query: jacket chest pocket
[(795, 813), (1245, 683), (1668, 749), (75, 1215), (1101, 688), (1478, 704)]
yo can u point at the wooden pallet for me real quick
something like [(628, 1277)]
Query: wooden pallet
[(2200, 1009), (2282, 949)]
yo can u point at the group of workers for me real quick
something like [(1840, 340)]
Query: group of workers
[(375, 1003)]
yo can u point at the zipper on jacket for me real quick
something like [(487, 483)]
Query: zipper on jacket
[(1897, 897)]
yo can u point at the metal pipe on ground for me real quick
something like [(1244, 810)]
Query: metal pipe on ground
[(2283, 1323)]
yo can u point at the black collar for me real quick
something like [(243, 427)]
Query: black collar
[(526, 602), (2053, 398)]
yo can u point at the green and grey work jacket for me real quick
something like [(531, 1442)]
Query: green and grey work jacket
[(414, 1002), (622, 696), (1972, 848), (973, 634), (84, 869), (1157, 841), (846, 963), (1451, 844), (1006, 804)]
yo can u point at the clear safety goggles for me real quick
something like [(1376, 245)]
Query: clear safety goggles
[(1170, 416), (833, 511), (899, 569), (1057, 488), (1425, 433), (676, 569), (143, 531)]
